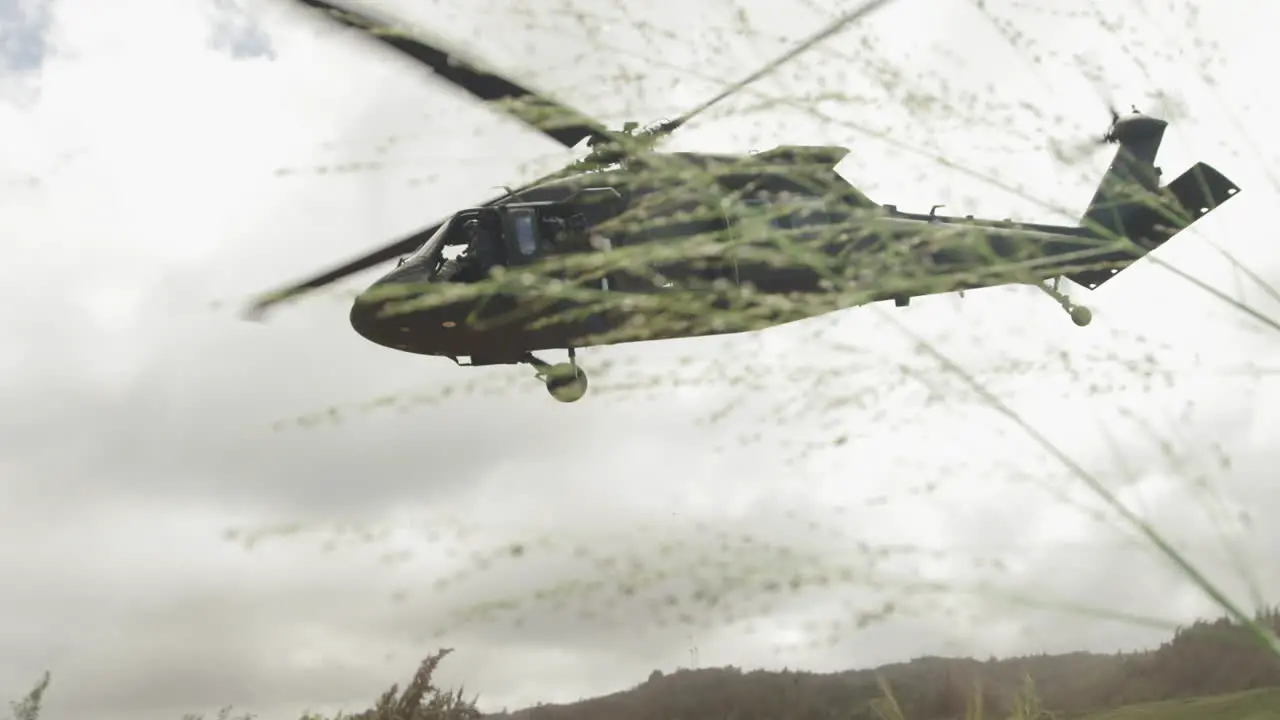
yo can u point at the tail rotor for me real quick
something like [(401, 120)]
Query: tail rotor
[(1165, 107)]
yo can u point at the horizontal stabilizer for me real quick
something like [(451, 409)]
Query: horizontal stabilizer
[(1151, 223)]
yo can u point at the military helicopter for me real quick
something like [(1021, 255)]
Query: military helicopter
[(589, 255)]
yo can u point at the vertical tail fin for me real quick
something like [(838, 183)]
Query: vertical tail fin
[(1130, 213), (1132, 173)]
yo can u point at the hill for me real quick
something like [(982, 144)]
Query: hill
[(1206, 659)]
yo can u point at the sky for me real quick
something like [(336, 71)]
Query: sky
[(200, 511)]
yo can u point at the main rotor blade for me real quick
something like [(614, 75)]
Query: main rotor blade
[(386, 253), (555, 120), (836, 25), (559, 122), (400, 247)]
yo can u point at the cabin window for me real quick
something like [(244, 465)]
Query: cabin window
[(804, 216), (750, 215), (783, 210)]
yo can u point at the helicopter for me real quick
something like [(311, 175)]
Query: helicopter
[(592, 254)]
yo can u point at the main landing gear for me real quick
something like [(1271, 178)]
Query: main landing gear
[(565, 381), (1080, 315)]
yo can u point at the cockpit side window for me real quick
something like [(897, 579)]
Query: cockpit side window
[(525, 225)]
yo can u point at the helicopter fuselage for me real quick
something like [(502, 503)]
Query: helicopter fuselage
[(751, 241)]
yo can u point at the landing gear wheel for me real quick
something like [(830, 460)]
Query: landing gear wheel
[(566, 382), (1080, 315)]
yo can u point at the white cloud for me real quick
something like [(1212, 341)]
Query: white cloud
[(139, 421)]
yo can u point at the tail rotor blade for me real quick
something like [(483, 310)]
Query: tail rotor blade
[(404, 246)]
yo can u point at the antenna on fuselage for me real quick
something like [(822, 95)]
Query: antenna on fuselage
[(507, 189)]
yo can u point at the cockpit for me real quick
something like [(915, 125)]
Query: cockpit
[(470, 244), (431, 252), (464, 248)]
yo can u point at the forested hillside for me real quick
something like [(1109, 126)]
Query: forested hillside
[(1207, 658)]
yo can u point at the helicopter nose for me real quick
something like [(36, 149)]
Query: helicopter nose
[(375, 315), (366, 314)]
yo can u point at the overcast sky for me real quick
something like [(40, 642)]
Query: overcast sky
[(163, 161)]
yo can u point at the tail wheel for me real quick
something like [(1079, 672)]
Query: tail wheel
[(1080, 315)]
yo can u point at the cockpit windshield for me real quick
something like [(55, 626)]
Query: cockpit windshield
[(429, 253), (464, 249)]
